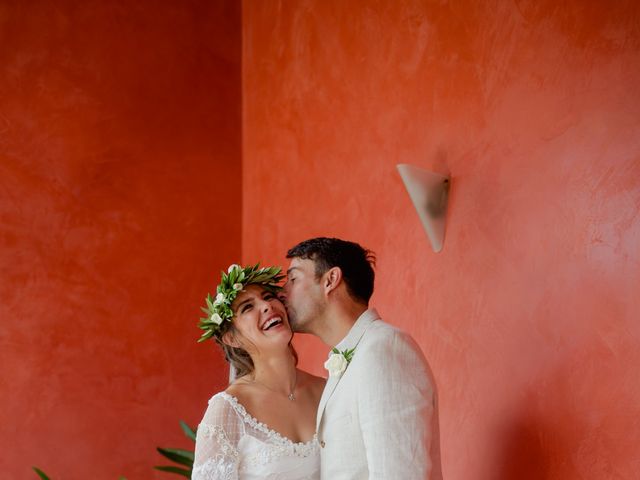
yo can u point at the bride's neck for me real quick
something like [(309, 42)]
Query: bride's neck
[(277, 370)]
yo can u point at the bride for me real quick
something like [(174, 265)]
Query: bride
[(263, 424)]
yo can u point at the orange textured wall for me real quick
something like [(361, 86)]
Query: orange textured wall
[(119, 135), (530, 314)]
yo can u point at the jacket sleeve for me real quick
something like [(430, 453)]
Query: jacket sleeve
[(397, 409)]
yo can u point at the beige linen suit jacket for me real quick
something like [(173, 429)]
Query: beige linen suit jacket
[(379, 419)]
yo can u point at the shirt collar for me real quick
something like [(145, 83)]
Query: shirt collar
[(358, 329)]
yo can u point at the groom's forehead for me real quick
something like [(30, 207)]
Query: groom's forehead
[(300, 265)]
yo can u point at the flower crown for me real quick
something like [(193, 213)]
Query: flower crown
[(218, 309)]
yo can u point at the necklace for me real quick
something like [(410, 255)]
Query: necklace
[(291, 396)]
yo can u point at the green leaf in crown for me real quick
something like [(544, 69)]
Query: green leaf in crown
[(218, 309)]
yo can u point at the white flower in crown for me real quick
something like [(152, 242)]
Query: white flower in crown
[(217, 319), (338, 362), (232, 267), (220, 298), (237, 287)]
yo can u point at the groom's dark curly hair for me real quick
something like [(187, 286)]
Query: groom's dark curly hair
[(355, 261)]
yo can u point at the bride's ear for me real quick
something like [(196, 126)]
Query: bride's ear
[(332, 279), (230, 339)]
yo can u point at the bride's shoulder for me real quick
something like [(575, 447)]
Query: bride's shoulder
[(220, 401), (221, 410), (235, 389), (242, 392)]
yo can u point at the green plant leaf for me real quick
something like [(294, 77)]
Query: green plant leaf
[(40, 473), (184, 457), (206, 336), (348, 354), (177, 470), (188, 431)]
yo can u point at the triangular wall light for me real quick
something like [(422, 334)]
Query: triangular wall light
[(429, 193)]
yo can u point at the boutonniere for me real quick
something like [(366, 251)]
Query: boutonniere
[(338, 361)]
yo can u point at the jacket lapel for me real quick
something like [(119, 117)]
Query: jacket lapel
[(350, 341)]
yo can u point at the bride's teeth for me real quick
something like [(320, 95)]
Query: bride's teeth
[(271, 322)]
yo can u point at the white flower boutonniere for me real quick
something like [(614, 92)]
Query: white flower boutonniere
[(338, 361)]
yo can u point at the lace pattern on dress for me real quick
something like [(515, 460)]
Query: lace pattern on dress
[(226, 447), (300, 449), (231, 444), (218, 469)]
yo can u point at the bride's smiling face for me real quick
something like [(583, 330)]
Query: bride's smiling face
[(260, 319)]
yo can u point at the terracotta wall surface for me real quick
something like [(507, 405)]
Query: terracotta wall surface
[(119, 136), (529, 316)]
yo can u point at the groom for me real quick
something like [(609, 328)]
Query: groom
[(378, 415)]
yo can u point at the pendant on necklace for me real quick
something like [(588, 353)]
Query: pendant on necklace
[(292, 397)]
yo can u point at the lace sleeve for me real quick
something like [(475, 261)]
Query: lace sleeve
[(216, 455)]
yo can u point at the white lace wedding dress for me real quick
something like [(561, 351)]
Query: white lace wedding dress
[(232, 445)]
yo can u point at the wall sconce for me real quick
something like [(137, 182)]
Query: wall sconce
[(429, 193)]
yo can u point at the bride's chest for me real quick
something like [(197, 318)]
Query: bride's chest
[(271, 455)]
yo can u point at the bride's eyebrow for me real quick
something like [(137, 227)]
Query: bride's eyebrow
[(242, 303)]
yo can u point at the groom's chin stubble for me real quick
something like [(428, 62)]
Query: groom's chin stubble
[(296, 327)]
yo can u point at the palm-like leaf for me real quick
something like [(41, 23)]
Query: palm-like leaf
[(185, 472), (178, 455), (188, 431), (40, 473)]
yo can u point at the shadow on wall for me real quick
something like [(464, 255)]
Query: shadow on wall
[(523, 456)]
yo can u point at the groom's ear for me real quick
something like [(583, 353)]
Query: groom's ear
[(332, 279)]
